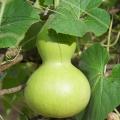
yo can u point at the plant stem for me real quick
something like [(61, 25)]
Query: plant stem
[(8, 65), (109, 36), (1, 118), (115, 42), (3, 4), (56, 3), (117, 112)]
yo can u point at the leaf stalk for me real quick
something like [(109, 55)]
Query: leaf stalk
[(3, 4), (56, 3)]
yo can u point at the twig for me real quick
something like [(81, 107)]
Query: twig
[(10, 53), (11, 90), (8, 65)]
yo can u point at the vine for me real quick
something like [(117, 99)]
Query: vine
[(3, 5)]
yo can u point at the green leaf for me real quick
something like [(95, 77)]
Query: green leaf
[(94, 66), (97, 18), (79, 17), (89, 4), (105, 90), (17, 18), (93, 3), (29, 41)]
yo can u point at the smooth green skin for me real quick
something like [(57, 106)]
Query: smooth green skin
[(57, 89)]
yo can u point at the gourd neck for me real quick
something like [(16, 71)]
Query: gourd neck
[(55, 48)]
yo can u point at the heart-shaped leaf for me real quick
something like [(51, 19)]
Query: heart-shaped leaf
[(17, 18), (105, 91), (77, 17)]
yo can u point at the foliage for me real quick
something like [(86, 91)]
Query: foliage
[(17, 18), (105, 90), (79, 17), (21, 21)]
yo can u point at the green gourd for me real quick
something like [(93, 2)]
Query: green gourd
[(57, 89)]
